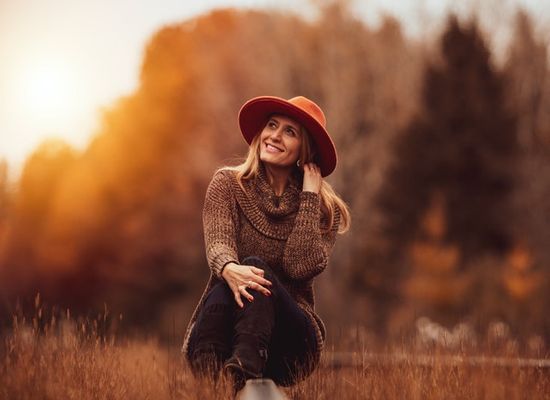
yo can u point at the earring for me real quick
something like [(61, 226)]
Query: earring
[(298, 163)]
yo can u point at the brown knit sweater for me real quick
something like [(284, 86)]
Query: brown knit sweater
[(284, 231)]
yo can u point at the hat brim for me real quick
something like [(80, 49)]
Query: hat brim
[(255, 112)]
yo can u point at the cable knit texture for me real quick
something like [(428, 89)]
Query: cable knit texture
[(286, 231)]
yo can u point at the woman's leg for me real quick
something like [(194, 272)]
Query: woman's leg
[(293, 344), (252, 335), (293, 338), (211, 340)]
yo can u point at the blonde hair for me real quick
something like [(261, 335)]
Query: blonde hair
[(250, 167)]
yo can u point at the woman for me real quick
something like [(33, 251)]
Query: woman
[(269, 227)]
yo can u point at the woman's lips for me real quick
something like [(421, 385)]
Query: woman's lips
[(272, 149)]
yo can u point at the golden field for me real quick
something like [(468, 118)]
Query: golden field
[(68, 359)]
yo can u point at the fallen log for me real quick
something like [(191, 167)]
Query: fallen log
[(337, 360)]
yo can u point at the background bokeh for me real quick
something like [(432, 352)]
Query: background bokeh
[(444, 159)]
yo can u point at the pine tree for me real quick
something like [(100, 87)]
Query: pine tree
[(462, 145)]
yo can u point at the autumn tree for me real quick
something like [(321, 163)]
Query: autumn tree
[(527, 271), (4, 197), (528, 82), (35, 193), (461, 149), (5, 203), (462, 145), (367, 82)]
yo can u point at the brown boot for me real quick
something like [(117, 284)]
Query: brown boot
[(247, 362)]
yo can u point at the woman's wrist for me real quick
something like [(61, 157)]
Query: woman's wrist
[(225, 267)]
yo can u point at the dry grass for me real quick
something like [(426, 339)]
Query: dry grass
[(69, 360), (411, 381)]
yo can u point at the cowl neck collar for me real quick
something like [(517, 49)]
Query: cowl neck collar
[(270, 214), (273, 205)]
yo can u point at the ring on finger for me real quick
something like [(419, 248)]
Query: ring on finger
[(249, 284)]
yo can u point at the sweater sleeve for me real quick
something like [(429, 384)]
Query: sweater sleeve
[(308, 249), (219, 220)]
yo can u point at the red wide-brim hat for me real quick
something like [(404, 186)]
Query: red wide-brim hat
[(255, 112)]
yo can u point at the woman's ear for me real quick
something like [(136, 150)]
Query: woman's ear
[(299, 168)]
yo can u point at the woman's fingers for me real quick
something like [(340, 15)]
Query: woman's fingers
[(242, 291), (258, 283), (238, 299), (262, 281), (260, 276), (312, 178), (248, 296), (258, 287), (312, 168), (257, 271)]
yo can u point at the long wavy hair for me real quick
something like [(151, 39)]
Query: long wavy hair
[(250, 167)]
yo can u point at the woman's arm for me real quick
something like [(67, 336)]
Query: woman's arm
[(218, 220), (307, 248)]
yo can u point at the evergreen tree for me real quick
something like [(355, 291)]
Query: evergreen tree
[(462, 145)]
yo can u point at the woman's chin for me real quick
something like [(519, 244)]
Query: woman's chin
[(267, 161)]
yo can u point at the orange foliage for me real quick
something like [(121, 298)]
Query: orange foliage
[(519, 278), (434, 277), (434, 258), (437, 290), (121, 222)]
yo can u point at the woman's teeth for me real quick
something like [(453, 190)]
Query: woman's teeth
[(273, 148)]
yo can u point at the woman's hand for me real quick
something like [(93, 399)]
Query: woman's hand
[(243, 277), (312, 178)]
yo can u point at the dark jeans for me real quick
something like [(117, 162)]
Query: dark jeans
[(293, 339)]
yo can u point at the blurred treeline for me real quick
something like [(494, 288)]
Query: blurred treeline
[(444, 161)]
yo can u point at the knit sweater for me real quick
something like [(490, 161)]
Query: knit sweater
[(285, 231)]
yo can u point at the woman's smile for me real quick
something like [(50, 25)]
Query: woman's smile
[(272, 148)]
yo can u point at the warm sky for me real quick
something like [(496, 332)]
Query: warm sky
[(62, 61)]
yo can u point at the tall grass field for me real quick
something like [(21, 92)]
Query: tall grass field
[(69, 359)]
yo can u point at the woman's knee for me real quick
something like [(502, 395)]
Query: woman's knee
[(219, 294)]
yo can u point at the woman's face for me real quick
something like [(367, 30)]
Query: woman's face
[(280, 142)]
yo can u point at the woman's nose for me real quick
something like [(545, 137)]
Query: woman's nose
[(276, 134)]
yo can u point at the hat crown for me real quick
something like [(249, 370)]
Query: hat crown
[(311, 108)]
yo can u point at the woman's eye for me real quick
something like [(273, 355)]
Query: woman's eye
[(291, 132), (272, 125)]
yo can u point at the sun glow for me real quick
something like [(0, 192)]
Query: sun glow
[(46, 97), (47, 90)]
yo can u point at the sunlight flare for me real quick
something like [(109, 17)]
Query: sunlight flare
[(47, 90), (47, 96)]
